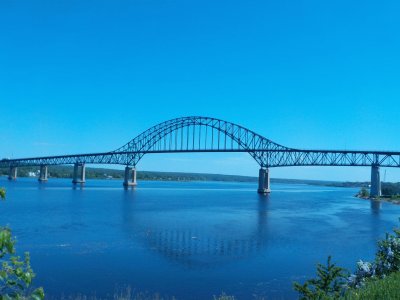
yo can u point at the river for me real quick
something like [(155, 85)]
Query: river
[(190, 240)]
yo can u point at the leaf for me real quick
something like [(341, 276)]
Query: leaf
[(3, 275), (15, 274), (2, 193), (38, 294)]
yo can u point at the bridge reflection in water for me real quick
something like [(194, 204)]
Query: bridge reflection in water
[(376, 206), (183, 237), (198, 247)]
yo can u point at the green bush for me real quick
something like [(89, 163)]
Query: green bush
[(328, 284), (16, 275), (390, 189), (387, 288), (370, 277), (224, 296), (363, 193)]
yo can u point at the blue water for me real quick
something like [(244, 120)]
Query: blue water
[(188, 240)]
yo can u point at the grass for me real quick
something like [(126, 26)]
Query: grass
[(387, 288), (129, 294)]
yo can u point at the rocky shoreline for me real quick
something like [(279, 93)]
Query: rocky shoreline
[(395, 200)]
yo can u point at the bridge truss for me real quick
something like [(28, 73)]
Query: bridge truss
[(203, 134)]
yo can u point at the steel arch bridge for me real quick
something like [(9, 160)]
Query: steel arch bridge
[(204, 134)]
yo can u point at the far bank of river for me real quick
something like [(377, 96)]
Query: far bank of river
[(389, 199), (105, 173)]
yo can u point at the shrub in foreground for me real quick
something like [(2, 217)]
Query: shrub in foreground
[(328, 283), (333, 283), (16, 274), (387, 288)]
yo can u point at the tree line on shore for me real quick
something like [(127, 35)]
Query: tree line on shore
[(106, 173)]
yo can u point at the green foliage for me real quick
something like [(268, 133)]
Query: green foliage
[(376, 280), (390, 189), (223, 296), (363, 193), (387, 261), (16, 274), (103, 173), (387, 288), (388, 255), (328, 284), (125, 294)]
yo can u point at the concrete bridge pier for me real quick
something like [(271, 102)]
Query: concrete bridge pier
[(130, 177), (264, 181), (79, 177), (376, 190), (43, 173), (12, 175)]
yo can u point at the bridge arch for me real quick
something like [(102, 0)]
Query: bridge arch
[(204, 134), (199, 134)]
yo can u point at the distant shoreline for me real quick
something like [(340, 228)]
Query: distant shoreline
[(114, 174), (394, 200)]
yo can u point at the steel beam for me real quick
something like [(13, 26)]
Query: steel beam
[(203, 134)]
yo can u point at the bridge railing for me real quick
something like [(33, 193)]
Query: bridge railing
[(278, 158), (203, 134)]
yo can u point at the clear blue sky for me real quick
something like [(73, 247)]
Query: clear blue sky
[(87, 76)]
